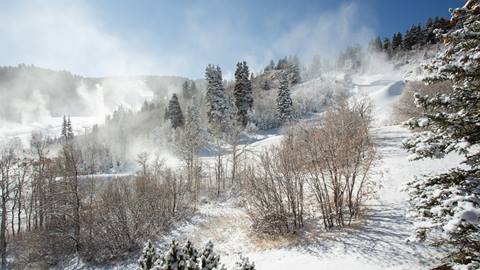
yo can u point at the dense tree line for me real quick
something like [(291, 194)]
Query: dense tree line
[(417, 36)]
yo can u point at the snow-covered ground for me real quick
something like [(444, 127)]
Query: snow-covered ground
[(378, 242)]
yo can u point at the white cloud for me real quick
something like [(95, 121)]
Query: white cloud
[(65, 35), (326, 34)]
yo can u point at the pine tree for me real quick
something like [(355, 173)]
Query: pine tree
[(428, 32), (148, 256), (284, 102), (175, 112), (294, 70), (409, 39), (397, 41), (243, 93), (449, 204), (193, 89), (387, 47), (189, 90), (208, 259), (173, 259), (64, 128), (186, 90), (244, 264), (375, 45), (218, 106), (191, 256), (70, 134)]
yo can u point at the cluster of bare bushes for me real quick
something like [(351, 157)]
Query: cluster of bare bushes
[(52, 207), (406, 107), (330, 162)]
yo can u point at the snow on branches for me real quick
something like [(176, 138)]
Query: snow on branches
[(447, 206)]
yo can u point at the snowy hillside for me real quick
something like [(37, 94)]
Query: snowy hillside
[(379, 241)]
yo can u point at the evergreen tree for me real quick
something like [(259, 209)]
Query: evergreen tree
[(173, 259), (409, 39), (175, 112), (375, 45), (270, 66), (282, 64), (397, 41), (448, 205), (189, 89), (208, 259), (186, 90), (243, 93), (219, 111), (244, 264), (193, 89), (284, 102), (387, 47), (428, 32), (294, 70), (191, 256), (69, 129), (64, 128), (147, 257)]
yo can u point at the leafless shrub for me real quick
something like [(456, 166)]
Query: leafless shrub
[(276, 188), (334, 158), (339, 155)]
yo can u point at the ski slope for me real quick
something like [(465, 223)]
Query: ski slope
[(376, 242)]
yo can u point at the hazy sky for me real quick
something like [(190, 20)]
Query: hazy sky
[(98, 38)]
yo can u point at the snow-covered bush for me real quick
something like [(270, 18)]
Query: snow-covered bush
[(186, 258), (447, 206), (148, 256), (244, 264)]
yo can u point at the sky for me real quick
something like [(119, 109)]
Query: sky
[(136, 37)]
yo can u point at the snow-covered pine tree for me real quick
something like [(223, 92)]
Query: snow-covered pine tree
[(186, 90), (70, 133), (193, 132), (284, 102), (243, 93), (294, 70), (193, 89), (189, 89), (218, 106), (209, 260), (173, 259), (447, 206), (64, 128), (175, 112), (148, 256), (244, 264), (191, 256)]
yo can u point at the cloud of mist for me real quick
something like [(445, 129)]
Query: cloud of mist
[(68, 36), (326, 34), (65, 35)]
